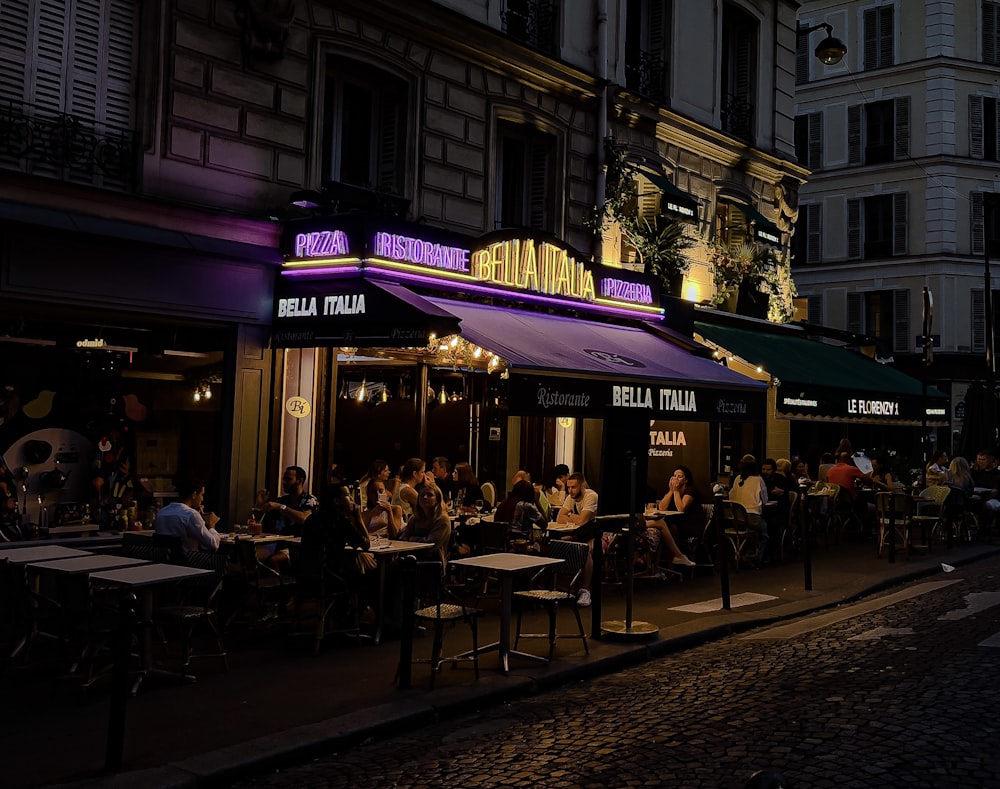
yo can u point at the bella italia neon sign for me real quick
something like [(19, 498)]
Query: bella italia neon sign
[(525, 264)]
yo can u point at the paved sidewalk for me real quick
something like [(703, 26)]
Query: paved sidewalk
[(280, 704)]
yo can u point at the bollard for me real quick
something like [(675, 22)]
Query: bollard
[(722, 548), (805, 536), (597, 582), (892, 526), (408, 581), (120, 683)]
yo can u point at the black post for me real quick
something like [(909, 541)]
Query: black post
[(805, 536), (408, 581), (630, 544), (989, 206), (596, 581), (722, 548), (892, 526), (120, 683)]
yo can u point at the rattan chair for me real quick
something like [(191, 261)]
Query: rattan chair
[(743, 538), (197, 609), (559, 592), (894, 512)]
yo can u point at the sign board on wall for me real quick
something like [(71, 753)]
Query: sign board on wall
[(673, 444)]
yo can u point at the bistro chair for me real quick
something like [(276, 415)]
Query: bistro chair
[(174, 546), (930, 515), (263, 586), (489, 494), (321, 588), (559, 591), (898, 509), (791, 534), (196, 608), (743, 538), (439, 608)]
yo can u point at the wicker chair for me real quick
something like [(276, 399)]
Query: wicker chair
[(562, 577)]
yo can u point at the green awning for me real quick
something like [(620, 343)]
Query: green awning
[(676, 201), (821, 381), (764, 230)]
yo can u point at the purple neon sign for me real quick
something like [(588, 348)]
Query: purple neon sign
[(406, 249)]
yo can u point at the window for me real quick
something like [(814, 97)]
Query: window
[(879, 131), (526, 182), (647, 33), (991, 32), (877, 226), (803, 56), (883, 315), (533, 22), (978, 319), (814, 309), (983, 128), (879, 37), (364, 126), (739, 72), (809, 140), (985, 224), (807, 243)]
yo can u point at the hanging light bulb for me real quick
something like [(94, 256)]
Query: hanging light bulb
[(363, 391), (454, 341), (443, 395), (344, 393), (207, 394), (197, 395), (385, 395), (477, 352)]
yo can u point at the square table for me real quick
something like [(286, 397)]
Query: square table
[(506, 565), (75, 565), (39, 553), (146, 577), (384, 551)]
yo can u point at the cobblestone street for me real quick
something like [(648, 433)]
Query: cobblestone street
[(900, 695)]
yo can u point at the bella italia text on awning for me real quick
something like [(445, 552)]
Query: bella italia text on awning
[(563, 366), (821, 381)]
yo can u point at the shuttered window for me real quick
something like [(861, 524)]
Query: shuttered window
[(808, 239), (991, 32), (901, 321), (364, 128), (70, 56), (802, 60), (978, 316), (647, 47), (854, 229), (809, 140), (985, 226), (984, 134), (900, 225), (526, 179), (878, 226), (878, 37), (856, 313), (814, 309), (739, 72)]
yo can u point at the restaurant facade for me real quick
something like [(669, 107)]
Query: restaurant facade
[(509, 350)]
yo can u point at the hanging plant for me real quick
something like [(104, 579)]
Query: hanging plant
[(750, 265), (780, 285), (659, 241)]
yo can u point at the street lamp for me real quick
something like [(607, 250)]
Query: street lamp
[(830, 51)]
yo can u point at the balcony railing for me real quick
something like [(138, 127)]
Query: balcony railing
[(647, 76), (738, 118), (66, 147), (533, 22)]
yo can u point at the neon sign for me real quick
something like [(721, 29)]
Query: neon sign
[(321, 244), (541, 267), (406, 249), (622, 290)]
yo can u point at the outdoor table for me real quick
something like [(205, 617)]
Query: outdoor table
[(146, 577), (75, 565), (506, 565), (39, 553), (384, 551)]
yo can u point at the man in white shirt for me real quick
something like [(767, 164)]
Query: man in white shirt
[(184, 518), (580, 509)]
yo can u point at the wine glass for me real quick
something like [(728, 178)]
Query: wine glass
[(479, 505)]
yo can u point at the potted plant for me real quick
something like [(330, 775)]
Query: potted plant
[(753, 280)]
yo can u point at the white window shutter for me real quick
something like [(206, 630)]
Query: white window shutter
[(991, 28), (854, 134), (899, 223), (854, 246), (15, 27), (901, 321), (856, 313), (977, 148), (648, 200), (978, 321), (901, 111)]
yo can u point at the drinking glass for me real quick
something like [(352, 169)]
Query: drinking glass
[(479, 505)]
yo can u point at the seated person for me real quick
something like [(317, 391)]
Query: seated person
[(750, 490), (429, 522), (467, 488), (554, 484), (986, 475), (845, 474), (520, 508), (287, 513), (540, 499), (336, 527), (184, 518), (580, 508), (681, 496), (960, 476), (380, 517), (881, 475), (936, 472)]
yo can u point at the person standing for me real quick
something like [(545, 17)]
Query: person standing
[(580, 509), (185, 519), (287, 513)]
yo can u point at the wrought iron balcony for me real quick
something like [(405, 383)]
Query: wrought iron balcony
[(646, 75), (533, 22), (66, 147), (738, 118)]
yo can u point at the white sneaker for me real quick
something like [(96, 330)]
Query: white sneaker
[(583, 598)]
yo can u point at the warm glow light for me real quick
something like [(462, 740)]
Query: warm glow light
[(760, 369), (477, 353), (385, 395), (443, 396), (363, 391), (692, 292), (197, 395), (208, 393)]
